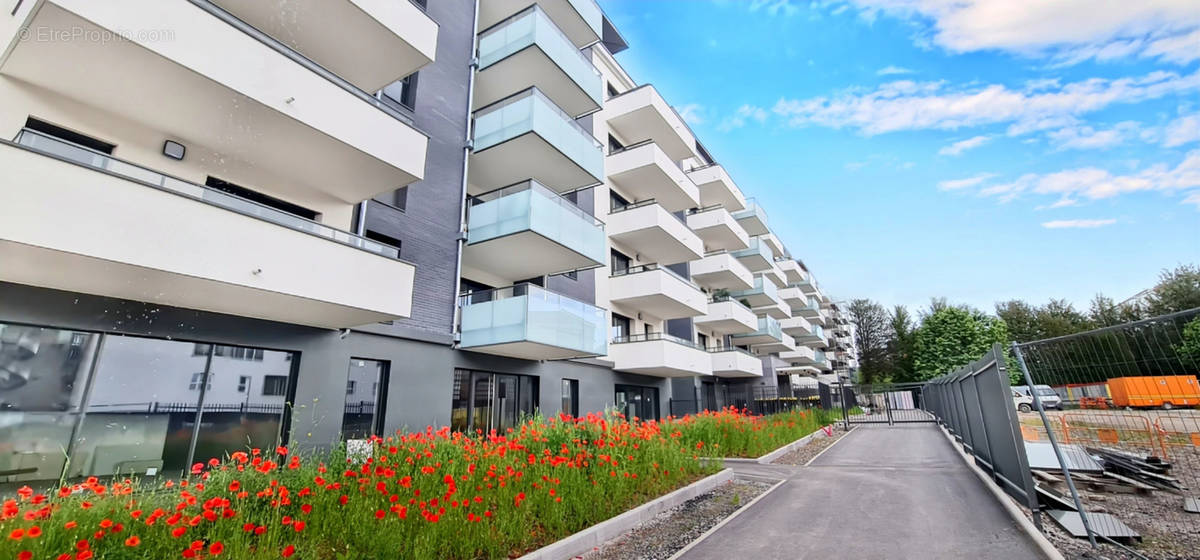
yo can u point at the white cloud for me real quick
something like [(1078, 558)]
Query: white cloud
[(775, 7), (1088, 138), (692, 113), (908, 105), (1062, 224), (739, 118), (892, 70), (957, 184), (1066, 31), (1094, 184), (1183, 130), (961, 146), (1192, 198)]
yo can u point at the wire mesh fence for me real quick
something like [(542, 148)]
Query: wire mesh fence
[(1123, 404)]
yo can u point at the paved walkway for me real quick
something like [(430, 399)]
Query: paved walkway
[(879, 493)]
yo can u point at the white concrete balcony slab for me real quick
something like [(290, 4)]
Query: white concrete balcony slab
[(796, 326), (763, 293), (810, 311), (659, 355), (374, 43), (717, 188), (82, 221), (791, 270), (528, 230), (735, 362), (768, 331), (801, 356), (778, 310), (756, 256), (657, 291), (580, 20), (220, 87), (776, 275), (821, 362), (727, 316), (654, 232), (721, 271), (716, 226), (643, 171), (528, 49), (526, 136), (641, 114), (792, 296), (753, 219), (784, 344), (777, 248), (531, 323), (814, 339)]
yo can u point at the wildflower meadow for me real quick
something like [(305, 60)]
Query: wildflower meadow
[(430, 494)]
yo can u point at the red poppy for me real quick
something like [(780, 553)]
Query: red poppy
[(287, 551), (133, 541), (216, 548)]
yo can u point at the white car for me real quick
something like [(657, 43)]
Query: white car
[(1023, 400)]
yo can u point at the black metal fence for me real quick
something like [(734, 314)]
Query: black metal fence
[(756, 399), (975, 404), (891, 403)]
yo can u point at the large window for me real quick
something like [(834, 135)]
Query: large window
[(152, 406), (363, 413), (491, 401), (570, 397), (636, 401)]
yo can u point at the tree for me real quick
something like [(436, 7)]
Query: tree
[(953, 336), (872, 333), (1021, 318), (900, 347), (1177, 290), (1189, 347), (1059, 318), (1104, 312)]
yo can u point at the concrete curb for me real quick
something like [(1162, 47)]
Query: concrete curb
[(597, 534), (1018, 516), (766, 459), (679, 554), (814, 457)]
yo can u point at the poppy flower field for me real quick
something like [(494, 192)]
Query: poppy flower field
[(430, 494)]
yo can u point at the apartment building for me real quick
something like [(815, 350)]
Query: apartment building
[(224, 223)]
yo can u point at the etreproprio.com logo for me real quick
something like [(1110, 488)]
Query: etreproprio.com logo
[(79, 33)]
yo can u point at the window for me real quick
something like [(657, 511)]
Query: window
[(265, 200), (363, 415), (619, 262), (243, 383), (616, 201), (69, 135), (402, 92), (198, 380), (621, 326), (636, 401), (702, 340), (570, 397), (491, 401), (350, 386), (381, 238), (274, 385), (614, 144)]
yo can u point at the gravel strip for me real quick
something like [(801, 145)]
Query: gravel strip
[(677, 527), (816, 445)]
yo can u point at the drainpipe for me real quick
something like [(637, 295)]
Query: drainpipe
[(468, 145)]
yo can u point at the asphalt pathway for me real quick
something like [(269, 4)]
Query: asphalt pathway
[(880, 492)]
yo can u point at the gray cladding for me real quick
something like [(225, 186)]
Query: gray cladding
[(428, 228)]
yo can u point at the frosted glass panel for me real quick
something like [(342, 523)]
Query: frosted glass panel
[(532, 207), (531, 111), (532, 27), (537, 316)]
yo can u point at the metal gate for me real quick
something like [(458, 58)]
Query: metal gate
[(892, 403)]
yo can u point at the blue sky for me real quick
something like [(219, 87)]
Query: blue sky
[(979, 149)]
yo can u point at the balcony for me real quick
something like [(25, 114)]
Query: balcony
[(242, 98), (791, 270), (657, 291), (654, 233), (762, 294), (814, 339), (580, 20), (528, 322), (821, 362), (528, 49), (643, 171), (717, 188), (775, 244), (796, 326), (641, 114), (785, 344), (776, 276), (727, 316), (527, 135), (792, 296), (809, 286), (756, 256), (528, 230), (660, 355), (375, 43), (721, 271), (735, 362), (778, 310), (753, 219), (124, 231), (768, 331), (801, 356), (717, 228)]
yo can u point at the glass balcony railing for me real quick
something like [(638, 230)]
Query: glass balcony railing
[(529, 206), (528, 313), (533, 27), (761, 286), (651, 267), (768, 326), (819, 356), (73, 153), (756, 247), (532, 111), (752, 209), (589, 10), (656, 336)]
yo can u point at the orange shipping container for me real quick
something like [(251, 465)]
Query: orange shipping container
[(1167, 391)]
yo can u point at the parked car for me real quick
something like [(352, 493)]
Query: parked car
[(1049, 398)]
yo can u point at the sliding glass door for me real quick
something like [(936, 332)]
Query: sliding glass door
[(486, 401), (636, 401), (366, 394)]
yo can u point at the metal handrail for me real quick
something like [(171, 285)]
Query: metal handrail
[(635, 145), (656, 336), (650, 267), (209, 195), (531, 184)]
